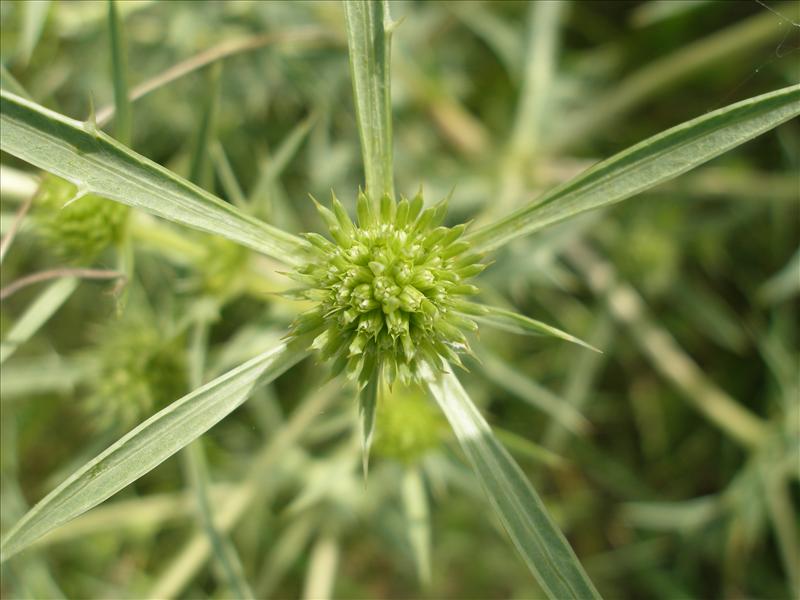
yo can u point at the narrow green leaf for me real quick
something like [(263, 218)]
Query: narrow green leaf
[(98, 164), (369, 28), (543, 28), (543, 547), (226, 175), (417, 513), (119, 72), (367, 403), (221, 545), (682, 516), (512, 322), (37, 314), (34, 19), (784, 284), (321, 573), (147, 446), (200, 170), (646, 164)]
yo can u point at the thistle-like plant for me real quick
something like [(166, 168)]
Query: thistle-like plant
[(389, 291)]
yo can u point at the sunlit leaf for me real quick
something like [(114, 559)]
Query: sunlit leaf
[(540, 543), (369, 42), (96, 163)]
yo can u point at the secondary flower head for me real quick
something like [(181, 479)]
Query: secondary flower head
[(389, 290), (140, 371), (77, 227)]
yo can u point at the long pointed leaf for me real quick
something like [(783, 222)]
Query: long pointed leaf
[(147, 446), (369, 45), (96, 163), (646, 164), (543, 547)]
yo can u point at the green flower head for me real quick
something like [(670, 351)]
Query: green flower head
[(389, 290), (77, 227)]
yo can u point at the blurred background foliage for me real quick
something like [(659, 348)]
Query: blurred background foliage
[(671, 460)]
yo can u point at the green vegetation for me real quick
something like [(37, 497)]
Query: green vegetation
[(164, 267)]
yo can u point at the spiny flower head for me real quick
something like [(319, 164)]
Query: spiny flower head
[(77, 227), (389, 291)]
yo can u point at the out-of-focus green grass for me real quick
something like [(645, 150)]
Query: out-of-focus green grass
[(689, 291)]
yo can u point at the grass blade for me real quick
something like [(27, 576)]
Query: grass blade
[(369, 44), (37, 315), (646, 164), (543, 547), (221, 545), (119, 71), (200, 171), (321, 574), (96, 163), (34, 19), (147, 446)]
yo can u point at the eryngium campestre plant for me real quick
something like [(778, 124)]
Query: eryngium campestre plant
[(391, 290)]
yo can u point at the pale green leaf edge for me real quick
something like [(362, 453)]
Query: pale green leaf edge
[(653, 161), (96, 163)]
